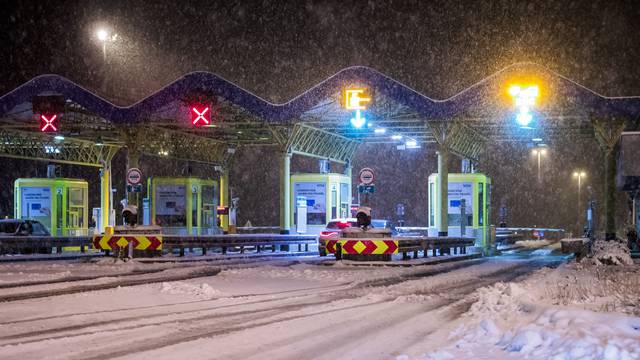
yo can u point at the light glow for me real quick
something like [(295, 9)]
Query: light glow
[(396, 137), (200, 115), (358, 121), (48, 125), (355, 99), (524, 98), (380, 130), (102, 34)]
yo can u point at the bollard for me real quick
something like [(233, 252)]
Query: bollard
[(224, 250), (181, 251), (204, 251), (241, 249), (306, 247), (258, 248), (415, 254), (338, 251)]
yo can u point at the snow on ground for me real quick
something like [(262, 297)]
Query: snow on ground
[(576, 311), (610, 253), (290, 310), (535, 244)]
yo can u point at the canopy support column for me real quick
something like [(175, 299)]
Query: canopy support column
[(442, 185), (106, 203), (224, 198), (607, 133), (348, 171), (285, 192)]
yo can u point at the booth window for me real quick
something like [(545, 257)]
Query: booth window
[(171, 205), (75, 208), (209, 204), (194, 208), (480, 204), (35, 203), (432, 201), (334, 202), (315, 195), (344, 200)]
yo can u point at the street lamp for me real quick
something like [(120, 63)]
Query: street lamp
[(579, 174), (104, 37), (539, 153)]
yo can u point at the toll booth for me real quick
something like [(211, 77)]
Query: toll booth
[(326, 196), (475, 190), (61, 205), (183, 205)]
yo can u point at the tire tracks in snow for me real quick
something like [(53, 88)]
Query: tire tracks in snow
[(200, 326)]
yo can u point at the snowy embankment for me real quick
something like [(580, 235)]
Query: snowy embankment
[(577, 311)]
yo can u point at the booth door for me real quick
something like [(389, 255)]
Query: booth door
[(209, 204)]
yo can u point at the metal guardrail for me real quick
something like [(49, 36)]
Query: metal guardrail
[(415, 244), (241, 241), (39, 243), (436, 244), (170, 242)]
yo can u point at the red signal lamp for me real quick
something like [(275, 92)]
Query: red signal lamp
[(200, 115), (48, 122)]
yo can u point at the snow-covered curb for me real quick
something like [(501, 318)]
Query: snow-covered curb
[(577, 311)]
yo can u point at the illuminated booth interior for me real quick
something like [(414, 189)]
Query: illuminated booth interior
[(183, 205), (61, 205), (475, 189), (325, 197)]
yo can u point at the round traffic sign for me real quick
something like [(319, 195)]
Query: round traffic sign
[(134, 176), (366, 176)]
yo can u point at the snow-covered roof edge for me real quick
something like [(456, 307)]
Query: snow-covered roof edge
[(293, 108)]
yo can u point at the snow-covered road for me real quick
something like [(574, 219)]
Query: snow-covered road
[(278, 309)]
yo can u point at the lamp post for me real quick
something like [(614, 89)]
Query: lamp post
[(539, 153), (579, 174), (104, 36)]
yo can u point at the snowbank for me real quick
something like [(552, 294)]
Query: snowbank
[(610, 253), (201, 291), (533, 244), (577, 311)]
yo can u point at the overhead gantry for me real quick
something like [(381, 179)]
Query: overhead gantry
[(317, 123)]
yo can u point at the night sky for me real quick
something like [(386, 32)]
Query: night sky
[(279, 49)]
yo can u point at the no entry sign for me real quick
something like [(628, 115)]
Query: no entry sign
[(366, 176), (134, 176)]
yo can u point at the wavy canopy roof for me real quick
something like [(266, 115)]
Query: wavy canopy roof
[(457, 105)]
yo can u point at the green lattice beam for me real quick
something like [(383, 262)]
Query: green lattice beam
[(38, 146), (179, 145), (458, 138), (310, 141)]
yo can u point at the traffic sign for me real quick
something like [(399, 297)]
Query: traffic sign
[(368, 246), (366, 189), (134, 176), (134, 188), (366, 176)]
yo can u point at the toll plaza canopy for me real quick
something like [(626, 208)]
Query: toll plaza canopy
[(203, 117)]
